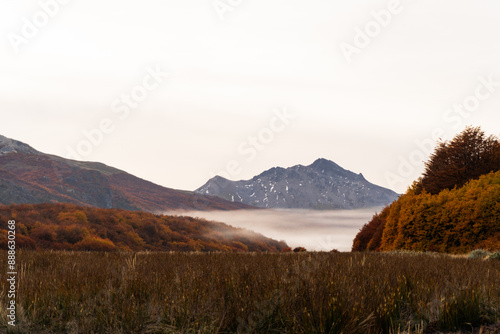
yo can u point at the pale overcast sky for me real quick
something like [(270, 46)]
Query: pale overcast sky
[(356, 82)]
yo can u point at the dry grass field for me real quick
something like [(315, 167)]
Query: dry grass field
[(97, 292)]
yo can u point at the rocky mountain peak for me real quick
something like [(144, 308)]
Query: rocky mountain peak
[(8, 145), (324, 164), (321, 185)]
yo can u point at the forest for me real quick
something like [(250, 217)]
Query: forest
[(71, 227), (454, 207)]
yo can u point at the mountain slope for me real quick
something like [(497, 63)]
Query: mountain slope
[(71, 227), (29, 176), (321, 185)]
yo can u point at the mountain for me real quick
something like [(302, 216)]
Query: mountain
[(29, 176), (71, 227), (321, 185)]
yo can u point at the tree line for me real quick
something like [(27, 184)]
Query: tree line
[(453, 207), (71, 227)]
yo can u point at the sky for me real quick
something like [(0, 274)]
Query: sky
[(177, 91)]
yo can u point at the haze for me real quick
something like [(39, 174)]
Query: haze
[(312, 229)]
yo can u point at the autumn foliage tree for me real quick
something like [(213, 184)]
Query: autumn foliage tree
[(468, 156), (453, 208), (71, 227), (370, 236)]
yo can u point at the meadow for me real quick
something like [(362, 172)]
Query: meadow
[(174, 292)]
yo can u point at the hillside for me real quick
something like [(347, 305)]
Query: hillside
[(450, 209), (71, 227), (454, 221), (321, 185), (29, 176)]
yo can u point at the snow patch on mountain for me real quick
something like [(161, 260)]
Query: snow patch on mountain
[(321, 185)]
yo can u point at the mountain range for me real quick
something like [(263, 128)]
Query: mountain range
[(321, 185), (29, 176)]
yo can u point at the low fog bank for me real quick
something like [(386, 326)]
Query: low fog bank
[(312, 229)]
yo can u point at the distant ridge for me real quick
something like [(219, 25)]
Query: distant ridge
[(321, 185), (29, 176)]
